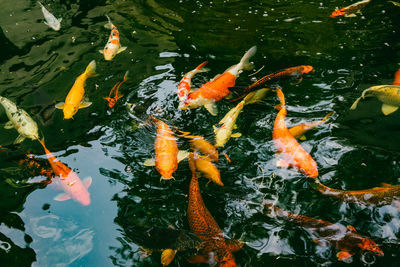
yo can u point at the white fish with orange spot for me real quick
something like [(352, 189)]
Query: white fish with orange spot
[(113, 46), (186, 82)]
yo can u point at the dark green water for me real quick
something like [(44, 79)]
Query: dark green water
[(165, 39)]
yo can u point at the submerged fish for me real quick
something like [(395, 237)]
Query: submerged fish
[(205, 166), (69, 181), (299, 130), (345, 239), (20, 120), (113, 46), (223, 131), (51, 20), (290, 151), (397, 78), (389, 95), (202, 223), (74, 100), (185, 84), (217, 89), (114, 91), (378, 196), (349, 11), (273, 78), (199, 143)]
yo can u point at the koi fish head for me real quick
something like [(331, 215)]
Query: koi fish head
[(338, 12), (111, 50), (308, 69), (370, 245), (69, 111), (227, 261)]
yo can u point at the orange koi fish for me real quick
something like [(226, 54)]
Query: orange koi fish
[(71, 184), (291, 152), (378, 196), (349, 11), (217, 89), (114, 91), (74, 100), (289, 73), (204, 226), (186, 82), (113, 46), (345, 239), (397, 78), (299, 130)]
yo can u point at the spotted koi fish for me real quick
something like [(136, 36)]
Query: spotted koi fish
[(202, 224), (186, 82), (114, 95), (349, 11), (345, 239), (217, 88), (113, 46), (291, 152)]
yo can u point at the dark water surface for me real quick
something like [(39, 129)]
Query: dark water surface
[(356, 150)]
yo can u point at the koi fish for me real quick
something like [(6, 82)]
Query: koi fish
[(166, 149), (70, 183), (199, 143), (349, 11), (256, 96), (299, 130), (20, 120), (74, 100), (114, 91), (378, 196), (345, 239), (273, 78), (291, 152), (186, 82), (395, 3), (165, 239), (217, 88), (389, 95), (223, 132), (113, 46), (397, 78), (205, 166), (204, 226), (51, 20)]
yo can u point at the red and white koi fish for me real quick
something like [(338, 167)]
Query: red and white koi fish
[(186, 82), (113, 46), (71, 184), (291, 152), (349, 11), (217, 88), (114, 91)]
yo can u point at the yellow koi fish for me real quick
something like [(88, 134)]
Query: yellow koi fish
[(223, 132), (74, 100)]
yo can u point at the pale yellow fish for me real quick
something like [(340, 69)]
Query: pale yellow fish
[(223, 132), (256, 96), (389, 95), (395, 3), (167, 256)]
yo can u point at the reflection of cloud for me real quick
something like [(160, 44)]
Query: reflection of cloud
[(72, 243)]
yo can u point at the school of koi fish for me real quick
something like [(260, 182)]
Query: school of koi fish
[(206, 237)]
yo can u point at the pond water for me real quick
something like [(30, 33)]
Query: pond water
[(355, 149)]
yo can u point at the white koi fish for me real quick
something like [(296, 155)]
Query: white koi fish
[(20, 120), (113, 46), (51, 20)]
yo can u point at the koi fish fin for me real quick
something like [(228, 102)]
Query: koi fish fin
[(109, 24), (91, 69), (59, 20), (395, 3), (234, 126), (60, 105), (167, 178), (121, 49), (298, 81), (212, 108), (388, 109), (343, 255), (45, 22), (9, 125), (19, 139), (84, 104), (354, 106), (215, 77), (245, 61), (101, 52), (350, 15), (282, 163), (318, 242), (197, 259), (144, 252), (234, 245), (182, 154), (149, 162), (62, 197), (351, 228), (168, 256), (87, 182), (236, 135)]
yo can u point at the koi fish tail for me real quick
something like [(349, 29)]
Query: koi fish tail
[(397, 78), (200, 68), (126, 76), (354, 106), (91, 69), (109, 24), (327, 116), (245, 61), (40, 4), (281, 97)]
